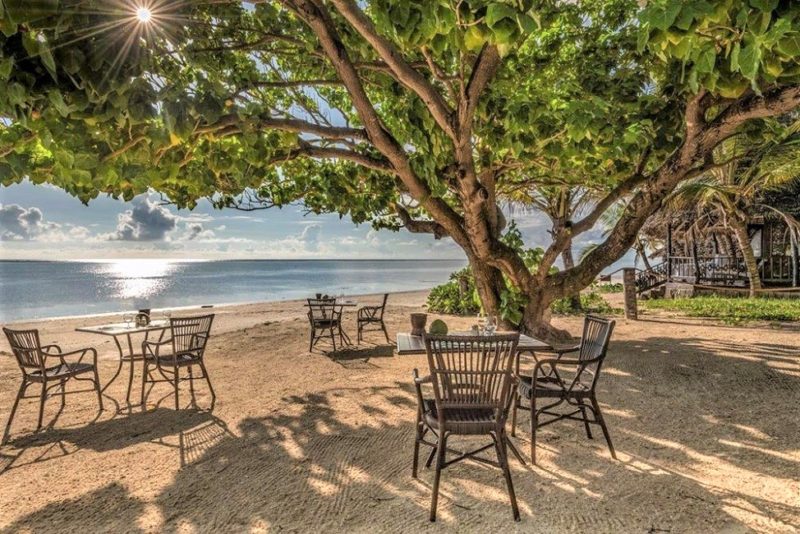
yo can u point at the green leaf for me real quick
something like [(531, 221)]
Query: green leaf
[(705, 62), (661, 17), (750, 61), (764, 5), (5, 68), (474, 38), (790, 46), (497, 12)]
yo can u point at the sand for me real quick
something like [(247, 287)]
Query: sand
[(704, 418)]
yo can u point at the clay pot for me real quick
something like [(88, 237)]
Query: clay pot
[(418, 321)]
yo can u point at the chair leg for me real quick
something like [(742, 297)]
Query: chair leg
[(7, 432), (417, 437), (385, 333), (130, 381), (311, 341), (333, 340), (441, 449), (514, 414), (99, 389), (144, 385), (208, 381), (585, 421), (175, 385), (500, 443), (431, 456), (63, 393), (42, 399), (191, 386), (534, 424), (599, 416)]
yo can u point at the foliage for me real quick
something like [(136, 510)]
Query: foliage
[(456, 296), (731, 309), (591, 302), (610, 287), (267, 103)]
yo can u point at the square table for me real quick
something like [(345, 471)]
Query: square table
[(123, 331)]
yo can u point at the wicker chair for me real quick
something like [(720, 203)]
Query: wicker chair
[(324, 317), (473, 385), (372, 315), (47, 365), (575, 389), (184, 349)]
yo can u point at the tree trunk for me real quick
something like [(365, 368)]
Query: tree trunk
[(489, 283), (743, 239), (536, 318), (569, 263), (642, 251)]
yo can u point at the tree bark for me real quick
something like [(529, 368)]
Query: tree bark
[(739, 224), (490, 284), (569, 263), (536, 317)]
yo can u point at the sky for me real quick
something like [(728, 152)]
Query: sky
[(42, 222)]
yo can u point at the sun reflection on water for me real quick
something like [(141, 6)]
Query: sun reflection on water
[(137, 279)]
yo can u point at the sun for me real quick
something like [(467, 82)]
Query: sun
[(143, 14)]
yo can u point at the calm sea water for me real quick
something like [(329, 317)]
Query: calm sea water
[(37, 289)]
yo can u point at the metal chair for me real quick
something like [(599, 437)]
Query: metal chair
[(372, 315), (188, 341), (473, 385), (550, 381), (324, 316), (47, 365)]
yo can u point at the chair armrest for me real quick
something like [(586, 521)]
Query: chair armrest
[(419, 380), (148, 346), (55, 347), (566, 350), (560, 362), (82, 352)]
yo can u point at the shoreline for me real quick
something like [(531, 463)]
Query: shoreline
[(215, 306)]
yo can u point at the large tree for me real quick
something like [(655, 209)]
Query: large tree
[(406, 113)]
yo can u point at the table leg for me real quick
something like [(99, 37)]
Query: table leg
[(119, 367)]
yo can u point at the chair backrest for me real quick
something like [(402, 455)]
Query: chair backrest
[(190, 334), (472, 372), (321, 309), (383, 305), (594, 346), (27, 348)]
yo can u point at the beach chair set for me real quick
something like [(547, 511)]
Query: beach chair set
[(325, 320), (163, 361), (472, 386)]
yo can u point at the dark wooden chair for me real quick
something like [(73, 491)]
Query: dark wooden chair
[(184, 349), (372, 315), (325, 319), (49, 366), (570, 382), (473, 385)]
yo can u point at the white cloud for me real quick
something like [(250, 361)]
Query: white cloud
[(146, 221), (29, 224)]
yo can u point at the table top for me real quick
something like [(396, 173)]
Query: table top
[(118, 329), (341, 303), (408, 344)]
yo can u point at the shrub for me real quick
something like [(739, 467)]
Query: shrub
[(456, 296), (591, 302), (731, 309)]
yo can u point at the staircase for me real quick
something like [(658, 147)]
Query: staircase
[(652, 278)]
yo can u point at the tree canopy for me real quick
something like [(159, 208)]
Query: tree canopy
[(418, 114)]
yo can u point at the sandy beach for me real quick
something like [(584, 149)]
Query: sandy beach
[(703, 416)]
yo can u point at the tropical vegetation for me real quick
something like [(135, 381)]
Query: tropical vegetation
[(415, 114)]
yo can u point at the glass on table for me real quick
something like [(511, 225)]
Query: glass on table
[(128, 318), (491, 325)]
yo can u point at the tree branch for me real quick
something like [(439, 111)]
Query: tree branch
[(417, 226), (288, 125), (484, 69), (406, 74)]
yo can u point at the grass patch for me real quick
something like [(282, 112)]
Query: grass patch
[(731, 309)]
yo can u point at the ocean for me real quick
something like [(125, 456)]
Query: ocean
[(41, 289)]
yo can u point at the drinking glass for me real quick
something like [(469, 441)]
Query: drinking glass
[(128, 318), (167, 316), (491, 324), (481, 322)]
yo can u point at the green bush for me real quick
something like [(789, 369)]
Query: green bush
[(456, 296), (731, 309), (610, 287), (591, 302)]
